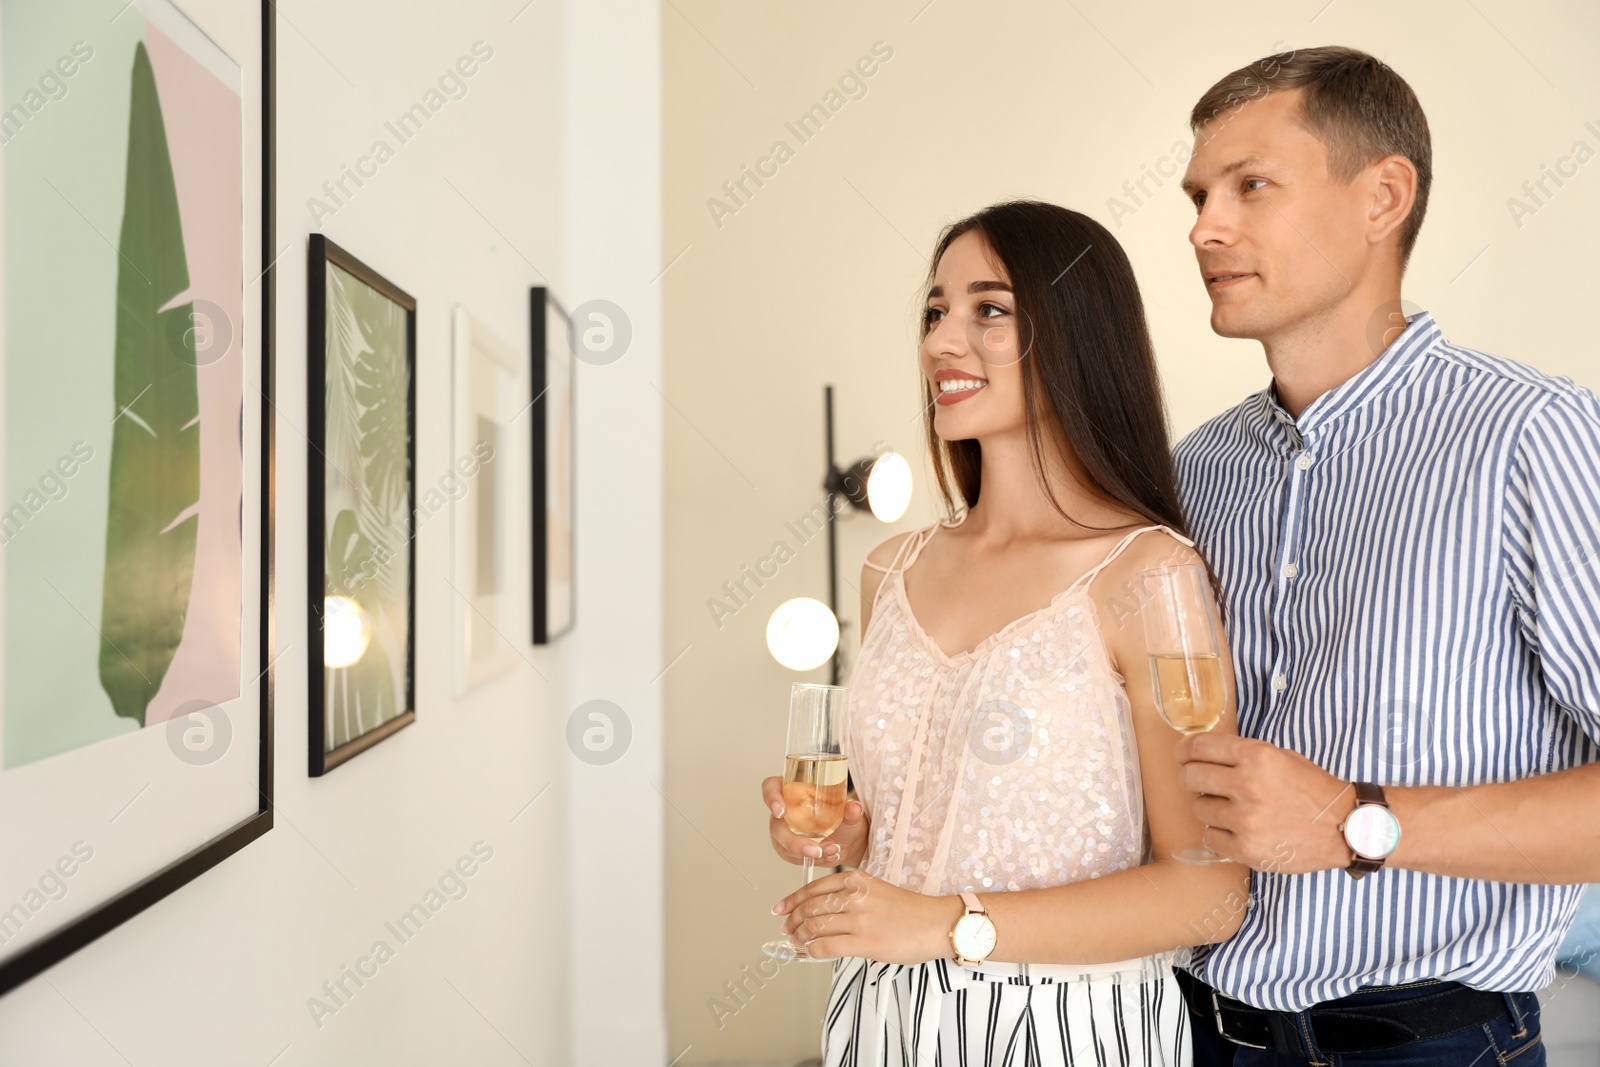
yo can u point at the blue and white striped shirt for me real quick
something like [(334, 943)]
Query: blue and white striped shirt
[(1414, 599)]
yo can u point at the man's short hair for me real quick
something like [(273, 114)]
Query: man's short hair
[(1354, 103)]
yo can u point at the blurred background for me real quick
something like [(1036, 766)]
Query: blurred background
[(761, 209)]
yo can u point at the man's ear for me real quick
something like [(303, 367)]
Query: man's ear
[(1394, 193)]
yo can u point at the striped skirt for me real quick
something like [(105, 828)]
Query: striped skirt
[(938, 1014)]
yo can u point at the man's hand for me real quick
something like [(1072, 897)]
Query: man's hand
[(1265, 806), (846, 845)]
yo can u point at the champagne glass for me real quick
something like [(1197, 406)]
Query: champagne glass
[(814, 779), (1185, 659)]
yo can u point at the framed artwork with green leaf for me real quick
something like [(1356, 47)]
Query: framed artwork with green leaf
[(136, 510), (361, 562)]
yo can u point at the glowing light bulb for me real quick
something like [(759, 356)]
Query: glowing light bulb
[(802, 633), (889, 486), (346, 631)]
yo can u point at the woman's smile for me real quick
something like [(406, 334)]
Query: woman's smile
[(955, 386)]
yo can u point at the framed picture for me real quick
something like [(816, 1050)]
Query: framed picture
[(553, 467), (136, 457), (361, 481), (482, 526)]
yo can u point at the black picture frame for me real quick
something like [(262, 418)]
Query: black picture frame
[(322, 253), (547, 315), (111, 913)]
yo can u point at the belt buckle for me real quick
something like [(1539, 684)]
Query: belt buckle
[(1216, 1012)]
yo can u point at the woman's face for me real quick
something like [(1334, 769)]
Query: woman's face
[(970, 350)]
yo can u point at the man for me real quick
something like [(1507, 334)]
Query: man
[(1406, 534)]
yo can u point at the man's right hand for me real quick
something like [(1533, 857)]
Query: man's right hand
[(847, 845)]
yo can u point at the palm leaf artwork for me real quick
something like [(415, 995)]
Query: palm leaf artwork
[(362, 695), (367, 397), (382, 387), (367, 421), (344, 347), (153, 514)]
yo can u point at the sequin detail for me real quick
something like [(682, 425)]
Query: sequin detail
[(1007, 767)]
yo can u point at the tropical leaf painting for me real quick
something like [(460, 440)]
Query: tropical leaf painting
[(367, 393), (154, 475)]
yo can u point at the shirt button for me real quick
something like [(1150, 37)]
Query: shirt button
[(1304, 462), (1291, 570), (1279, 683)]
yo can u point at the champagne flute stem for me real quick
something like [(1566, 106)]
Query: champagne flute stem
[(807, 865)]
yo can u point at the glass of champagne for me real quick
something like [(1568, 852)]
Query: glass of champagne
[(1185, 659), (814, 779)]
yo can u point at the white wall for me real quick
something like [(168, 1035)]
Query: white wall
[(615, 254), (553, 160)]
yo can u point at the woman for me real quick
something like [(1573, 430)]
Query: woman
[(1005, 758)]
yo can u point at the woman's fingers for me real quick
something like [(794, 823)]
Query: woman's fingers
[(772, 794), (827, 927), (848, 835), (828, 883), (830, 948), (788, 845)]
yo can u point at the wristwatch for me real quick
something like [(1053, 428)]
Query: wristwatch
[(1371, 830), (973, 936)]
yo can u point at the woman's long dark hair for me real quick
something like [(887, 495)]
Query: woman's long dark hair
[(1087, 357)]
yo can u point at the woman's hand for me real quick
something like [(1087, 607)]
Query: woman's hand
[(855, 914), (846, 845)]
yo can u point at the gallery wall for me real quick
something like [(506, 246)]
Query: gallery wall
[(809, 273), (542, 170)]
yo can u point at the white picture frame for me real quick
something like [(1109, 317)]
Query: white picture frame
[(490, 618)]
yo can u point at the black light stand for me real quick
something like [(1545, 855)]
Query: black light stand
[(852, 485)]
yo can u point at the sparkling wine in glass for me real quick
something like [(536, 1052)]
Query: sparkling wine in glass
[(1185, 659), (814, 779)]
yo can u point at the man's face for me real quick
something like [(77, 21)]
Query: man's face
[(1270, 214)]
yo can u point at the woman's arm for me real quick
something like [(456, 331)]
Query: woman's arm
[(1165, 903), (1162, 905)]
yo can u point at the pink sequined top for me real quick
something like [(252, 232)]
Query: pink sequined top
[(1007, 767)]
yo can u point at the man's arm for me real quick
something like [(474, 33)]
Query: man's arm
[(1268, 803), (1541, 829)]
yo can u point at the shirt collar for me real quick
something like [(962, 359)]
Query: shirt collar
[(1371, 382)]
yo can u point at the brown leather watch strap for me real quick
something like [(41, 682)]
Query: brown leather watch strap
[(1366, 793)]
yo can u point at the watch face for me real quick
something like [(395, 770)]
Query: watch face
[(1372, 831), (974, 936)]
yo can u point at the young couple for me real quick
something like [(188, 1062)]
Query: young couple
[(1405, 535)]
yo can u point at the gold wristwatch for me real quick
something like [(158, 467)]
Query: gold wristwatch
[(973, 936)]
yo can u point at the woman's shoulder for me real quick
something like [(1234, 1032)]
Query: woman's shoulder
[(1161, 546), (1147, 546), (883, 554)]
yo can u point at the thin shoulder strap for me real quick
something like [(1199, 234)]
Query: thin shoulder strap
[(903, 558), (920, 537), (1124, 543)]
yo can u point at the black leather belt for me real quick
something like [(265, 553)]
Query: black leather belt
[(1346, 1025)]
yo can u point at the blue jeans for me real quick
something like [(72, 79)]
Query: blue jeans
[(1512, 1039)]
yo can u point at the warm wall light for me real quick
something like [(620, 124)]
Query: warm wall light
[(346, 631), (889, 486), (802, 633), (879, 485)]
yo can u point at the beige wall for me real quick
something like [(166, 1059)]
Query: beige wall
[(814, 280)]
